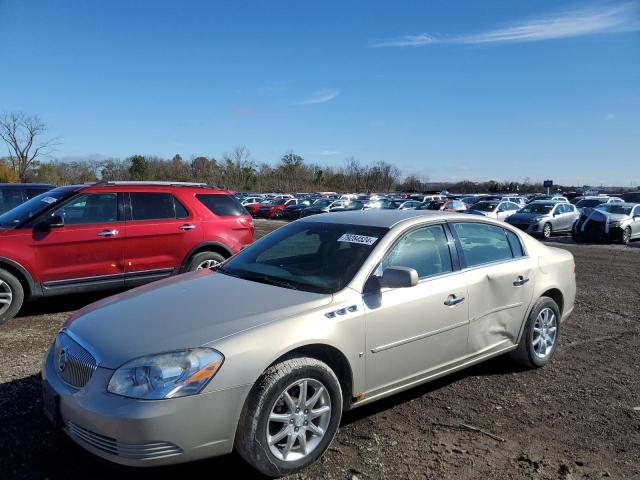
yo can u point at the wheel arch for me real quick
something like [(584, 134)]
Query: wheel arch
[(556, 295), (333, 357), (216, 247), (22, 274)]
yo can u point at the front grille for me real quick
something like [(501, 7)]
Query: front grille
[(144, 451), (594, 228), (74, 364)]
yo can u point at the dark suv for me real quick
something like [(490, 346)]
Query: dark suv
[(114, 235), (13, 194)]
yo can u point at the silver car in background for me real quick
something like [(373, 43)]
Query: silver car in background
[(618, 222), (263, 353), (543, 218), (497, 209)]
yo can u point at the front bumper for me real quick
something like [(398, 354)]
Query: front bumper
[(530, 228), (146, 432)]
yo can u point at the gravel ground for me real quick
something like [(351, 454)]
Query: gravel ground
[(579, 417)]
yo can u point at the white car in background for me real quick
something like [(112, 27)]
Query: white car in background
[(497, 209)]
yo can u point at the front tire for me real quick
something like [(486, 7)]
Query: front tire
[(626, 236), (11, 296), (204, 260), (540, 336), (290, 417), (547, 231)]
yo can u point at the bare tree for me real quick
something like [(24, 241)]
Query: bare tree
[(23, 135)]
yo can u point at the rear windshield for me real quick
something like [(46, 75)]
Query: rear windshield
[(589, 203), (222, 205)]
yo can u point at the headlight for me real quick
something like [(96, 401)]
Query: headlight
[(166, 375), (615, 224), (536, 220)]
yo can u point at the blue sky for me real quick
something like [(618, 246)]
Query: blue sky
[(446, 90)]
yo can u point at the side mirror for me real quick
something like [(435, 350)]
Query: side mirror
[(55, 221), (399, 277)]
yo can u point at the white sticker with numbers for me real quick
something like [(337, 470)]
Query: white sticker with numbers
[(362, 239)]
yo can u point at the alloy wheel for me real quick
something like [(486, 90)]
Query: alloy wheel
[(544, 333), (626, 235), (6, 296), (546, 232), (207, 264), (298, 420)]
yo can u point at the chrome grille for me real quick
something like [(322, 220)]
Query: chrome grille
[(144, 451), (74, 364)]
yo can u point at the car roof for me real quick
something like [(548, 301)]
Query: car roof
[(383, 218), (26, 185)]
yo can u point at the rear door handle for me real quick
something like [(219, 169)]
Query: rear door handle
[(108, 233), (186, 227), (520, 281), (453, 300)]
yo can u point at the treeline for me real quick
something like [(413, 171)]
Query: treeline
[(239, 171)]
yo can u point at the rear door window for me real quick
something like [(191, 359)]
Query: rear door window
[(9, 198), (482, 243), (222, 205), (156, 206)]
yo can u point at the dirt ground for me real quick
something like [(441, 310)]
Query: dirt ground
[(579, 417)]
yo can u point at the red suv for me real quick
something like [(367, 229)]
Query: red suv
[(114, 235)]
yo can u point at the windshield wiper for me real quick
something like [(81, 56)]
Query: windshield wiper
[(269, 280)]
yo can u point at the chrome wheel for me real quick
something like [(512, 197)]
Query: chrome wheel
[(544, 333), (546, 231), (6, 296), (298, 420), (626, 235), (207, 264)]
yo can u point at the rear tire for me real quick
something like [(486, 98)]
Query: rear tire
[(540, 336), (204, 260), (11, 296), (260, 439)]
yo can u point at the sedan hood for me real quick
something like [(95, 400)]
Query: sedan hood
[(188, 311)]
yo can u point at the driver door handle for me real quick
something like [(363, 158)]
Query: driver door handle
[(453, 300), (186, 227), (520, 281), (108, 233)]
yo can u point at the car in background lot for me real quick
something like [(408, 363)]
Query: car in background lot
[(494, 209), (252, 208), (114, 235), (444, 205), (545, 217), (321, 205), (383, 203), (251, 200), (409, 205), (618, 222), (14, 194), (293, 212), (586, 204), (352, 308), (631, 197), (349, 207), (275, 209)]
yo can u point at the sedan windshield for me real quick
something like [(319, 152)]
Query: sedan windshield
[(542, 208), (485, 206), (310, 256), (34, 207)]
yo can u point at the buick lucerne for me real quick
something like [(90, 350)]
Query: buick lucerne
[(263, 352)]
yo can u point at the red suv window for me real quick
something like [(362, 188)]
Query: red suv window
[(222, 205), (156, 206)]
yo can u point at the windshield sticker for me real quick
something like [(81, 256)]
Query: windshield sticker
[(351, 238), (49, 200)]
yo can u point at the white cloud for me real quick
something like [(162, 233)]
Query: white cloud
[(328, 153), (574, 23), (320, 96), (418, 40)]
